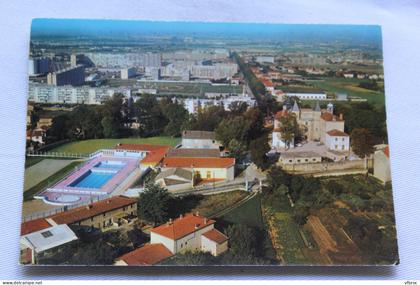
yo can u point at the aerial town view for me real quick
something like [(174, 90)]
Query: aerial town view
[(175, 143)]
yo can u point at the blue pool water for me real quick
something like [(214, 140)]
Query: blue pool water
[(92, 179), (110, 164)]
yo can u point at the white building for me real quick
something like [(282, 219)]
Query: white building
[(43, 93), (301, 157), (193, 105), (127, 73), (308, 96), (190, 233), (337, 140), (199, 139), (265, 59)]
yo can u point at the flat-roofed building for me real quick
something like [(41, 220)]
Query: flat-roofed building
[(74, 76)]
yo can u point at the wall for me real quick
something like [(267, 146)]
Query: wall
[(325, 166), (196, 143)]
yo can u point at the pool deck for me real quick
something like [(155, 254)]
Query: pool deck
[(63, 194)]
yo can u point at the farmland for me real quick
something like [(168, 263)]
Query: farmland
[(355, 226)]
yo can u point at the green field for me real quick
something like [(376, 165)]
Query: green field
[(89, 146), (248, 214), (178, 88), (349, 86), (28, 195)]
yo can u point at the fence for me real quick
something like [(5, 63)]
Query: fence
[(326, 167)]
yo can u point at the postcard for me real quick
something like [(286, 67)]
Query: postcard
[(182, 143)]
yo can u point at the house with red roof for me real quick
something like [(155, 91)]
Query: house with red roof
[(152, 155), (191, 232), (206, 169), (337, 140)]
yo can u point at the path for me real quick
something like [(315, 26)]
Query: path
[(42, 170)]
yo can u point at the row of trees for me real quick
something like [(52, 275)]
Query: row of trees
[(116, 116)]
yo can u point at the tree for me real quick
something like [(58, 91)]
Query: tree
[(362, 142), (148, 112), (259, 148), (153, 204), (206, 119), (242, 240), (58, 129), (175, 115), (288, 128), (276, 178), (233, 133)]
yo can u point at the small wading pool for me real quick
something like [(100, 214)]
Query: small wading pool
[(92, 179)]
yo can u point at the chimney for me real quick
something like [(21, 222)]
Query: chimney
[(170, 221), (88, 207), (341, 116), (205, 221), (197, 226), (196, 213), (108, 201), (181, 216)]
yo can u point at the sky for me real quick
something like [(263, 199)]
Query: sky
[(281, 32)]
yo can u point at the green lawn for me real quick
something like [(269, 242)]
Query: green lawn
[(89, 146), (349, 86), (248, 214), (28, 195)]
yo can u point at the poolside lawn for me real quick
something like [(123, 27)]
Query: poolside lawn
[(29, 194), (89, 146)]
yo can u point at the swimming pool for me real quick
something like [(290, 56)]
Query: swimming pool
[(92, 179)]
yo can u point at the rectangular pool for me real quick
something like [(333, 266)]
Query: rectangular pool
[(92, 179)]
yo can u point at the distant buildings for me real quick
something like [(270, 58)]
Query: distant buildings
[(193, 105), (308, 96), (39, 65), (127, 73), (265, 59), (43, 93), (125, 60), (74, 76)]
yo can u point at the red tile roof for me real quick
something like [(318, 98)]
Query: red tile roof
[(280, 114), (182, 226), (85, 212), (386, 151), (155, 152), (267, 83), (337, 133), (33, 226), (199, 162), (146, 255), (216, 236), (330, 117)]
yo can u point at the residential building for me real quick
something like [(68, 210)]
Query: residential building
[(74, 76), (105, 214), (148, 254), (265, 59), (337, 140), (191, 232), (381, 163), (40, 237), (194, 105), (175, 179), (199, 139), (206, 169), (39, 65), (127, 73)]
